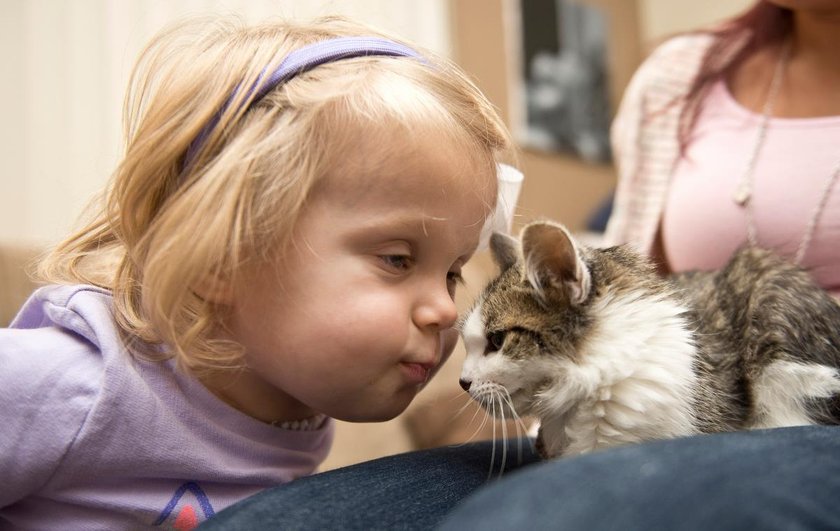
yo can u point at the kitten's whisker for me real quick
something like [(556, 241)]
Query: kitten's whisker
[(516, 424), (517, 419), (493, 447), (480, 427), (504, 433), (476, 411), (463, 408), (519, 424), (459, 395)]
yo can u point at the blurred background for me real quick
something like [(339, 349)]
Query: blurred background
[(65, 66)]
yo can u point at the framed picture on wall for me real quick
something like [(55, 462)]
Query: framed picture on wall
[(563, 72)]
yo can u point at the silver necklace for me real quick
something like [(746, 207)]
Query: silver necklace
[(743, 192)]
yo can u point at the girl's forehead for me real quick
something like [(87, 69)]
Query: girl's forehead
[(419, 163)]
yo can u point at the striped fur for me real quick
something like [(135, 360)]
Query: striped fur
[(604, 352)]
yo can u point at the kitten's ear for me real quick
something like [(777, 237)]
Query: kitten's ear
[(505, 250), (553, 261)]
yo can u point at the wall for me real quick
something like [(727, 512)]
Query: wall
[(659, 18), (65, 69)]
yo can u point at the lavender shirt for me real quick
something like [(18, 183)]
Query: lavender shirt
[(92, 438)]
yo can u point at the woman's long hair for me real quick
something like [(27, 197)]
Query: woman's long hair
[(761, 25)]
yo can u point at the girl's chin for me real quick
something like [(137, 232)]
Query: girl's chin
[(374, 415), (367, 417)]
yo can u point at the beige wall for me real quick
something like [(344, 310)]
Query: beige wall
[(659, 18), (65, 66)]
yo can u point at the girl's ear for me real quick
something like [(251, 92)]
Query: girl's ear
[(505, 250), (214, 289), (553, 262)]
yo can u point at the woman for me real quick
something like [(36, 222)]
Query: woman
[(732, 136)]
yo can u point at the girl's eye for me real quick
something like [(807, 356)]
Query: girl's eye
[(495, 341), (399, 262), (453, 278)]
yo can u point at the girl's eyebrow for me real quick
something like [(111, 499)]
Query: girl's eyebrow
[(389, 228), (399, 220)]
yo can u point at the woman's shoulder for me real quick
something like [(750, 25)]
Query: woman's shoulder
[(691, 44), (668, 70), (676, 60)]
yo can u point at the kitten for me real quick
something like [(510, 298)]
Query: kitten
[(604, 351)]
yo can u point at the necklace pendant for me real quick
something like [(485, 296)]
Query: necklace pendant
[(742, 194)]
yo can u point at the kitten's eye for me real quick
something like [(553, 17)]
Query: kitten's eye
[(495, 341)]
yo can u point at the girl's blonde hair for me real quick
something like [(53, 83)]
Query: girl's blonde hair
[(164, 230)]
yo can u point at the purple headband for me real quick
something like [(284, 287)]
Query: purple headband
[(302, 60)]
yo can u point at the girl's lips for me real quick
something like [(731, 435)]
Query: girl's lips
[(416, 372)]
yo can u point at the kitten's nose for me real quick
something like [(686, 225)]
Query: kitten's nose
[(465, 384)]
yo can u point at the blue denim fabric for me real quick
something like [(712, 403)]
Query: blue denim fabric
[(771, 479), (408, 491)]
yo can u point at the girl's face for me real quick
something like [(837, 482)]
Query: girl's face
[(359, 313)]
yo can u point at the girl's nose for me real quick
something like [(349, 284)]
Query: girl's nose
[(436, 310)]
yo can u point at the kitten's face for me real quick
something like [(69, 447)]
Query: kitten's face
[(529, 329), (514, 347), (526, 325)]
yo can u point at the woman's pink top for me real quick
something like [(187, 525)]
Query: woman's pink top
[(702, 225)]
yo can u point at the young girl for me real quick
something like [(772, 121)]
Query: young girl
[(279, 246)]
